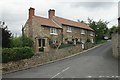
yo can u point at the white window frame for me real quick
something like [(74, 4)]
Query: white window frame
[(69, 29), (82, 31), (53, 31), (91, 34)]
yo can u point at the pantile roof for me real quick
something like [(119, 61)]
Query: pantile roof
[(71, 23), (46, 22)]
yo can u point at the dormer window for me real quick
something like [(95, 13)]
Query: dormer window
[(53, 31), (82, 31), (69, 29)]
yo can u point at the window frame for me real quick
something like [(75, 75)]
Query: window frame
[(91, 34), (53, 31), (69, 29), (82, 31)]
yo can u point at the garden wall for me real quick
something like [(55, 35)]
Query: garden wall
[(116, 45), (41, 58)]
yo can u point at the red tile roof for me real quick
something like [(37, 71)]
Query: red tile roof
[(71, 23), (46, 22), (51, 23)]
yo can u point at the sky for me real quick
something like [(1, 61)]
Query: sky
[(15, 12)]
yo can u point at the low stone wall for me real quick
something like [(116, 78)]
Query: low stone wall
[(88, 45), (41, 58), (115, 45)]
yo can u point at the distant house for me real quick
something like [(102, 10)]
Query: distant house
[(54, 29)]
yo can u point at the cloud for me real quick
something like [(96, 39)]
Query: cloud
[(15, 12), (93, 5)]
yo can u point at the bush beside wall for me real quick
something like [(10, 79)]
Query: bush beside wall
[(14, 54)]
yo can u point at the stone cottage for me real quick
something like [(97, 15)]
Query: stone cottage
[(54, 29)]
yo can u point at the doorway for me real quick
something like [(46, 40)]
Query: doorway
[(41, 43)]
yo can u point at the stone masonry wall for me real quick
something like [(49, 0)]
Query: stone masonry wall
[(41, 58), (115, 45)]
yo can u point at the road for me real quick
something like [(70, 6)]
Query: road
[(95, 63)]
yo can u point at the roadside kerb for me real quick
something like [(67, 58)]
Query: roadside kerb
[(53, 60)]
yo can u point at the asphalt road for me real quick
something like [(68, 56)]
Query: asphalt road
[(95, 63)]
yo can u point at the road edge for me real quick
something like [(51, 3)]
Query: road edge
[(53, 60)]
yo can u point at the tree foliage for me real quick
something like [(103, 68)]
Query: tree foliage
[(100, 28), (21, 41), (6, 35)]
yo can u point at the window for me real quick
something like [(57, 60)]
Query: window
[(69, 29), (91, 34), (53, 31), (82, 31), (41, 42)]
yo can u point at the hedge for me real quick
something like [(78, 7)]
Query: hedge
[(15, 54)]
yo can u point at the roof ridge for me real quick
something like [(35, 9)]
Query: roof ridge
[(72, 23), (71, 20), (42, 17), (67, 19)]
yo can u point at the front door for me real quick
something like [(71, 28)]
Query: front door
[(41, 45)]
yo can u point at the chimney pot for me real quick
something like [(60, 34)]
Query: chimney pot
[(51, 13)]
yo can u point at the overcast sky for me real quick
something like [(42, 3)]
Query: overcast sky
[(15, 12)]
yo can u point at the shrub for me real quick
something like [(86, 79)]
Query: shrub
[(21, 41), (26, 41), (16, 42), (65, 45), (14, 54)]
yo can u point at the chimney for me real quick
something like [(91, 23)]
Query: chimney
[(31, 12), (51, 13)]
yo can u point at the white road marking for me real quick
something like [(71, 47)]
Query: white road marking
[(65, 69), (113, 76), (89, 76), (55, 75), (60, 72), (117, 76), (100, 76)]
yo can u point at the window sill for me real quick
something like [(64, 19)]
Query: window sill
[(53, 33), (69, 31), (82, 33), (91, 35)]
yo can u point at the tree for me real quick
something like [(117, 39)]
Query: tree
[(26, 41), (113, 29), (99, 27), (16, 42), (81, 21), (6, 35), (21, 41)]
